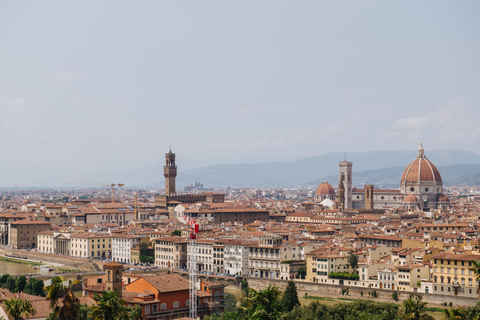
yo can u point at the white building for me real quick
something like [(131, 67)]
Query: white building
[(122, 245), (235, 258)]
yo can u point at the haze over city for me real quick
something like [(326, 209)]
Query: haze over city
[(91, 88)]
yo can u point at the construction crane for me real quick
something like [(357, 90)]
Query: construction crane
[(111, 185), (192, 263)]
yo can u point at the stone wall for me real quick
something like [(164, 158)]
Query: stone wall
[(68, 262), (334, 291)]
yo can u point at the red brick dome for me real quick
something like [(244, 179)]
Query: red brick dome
[(421, 169), (410, 198), (325, 188)]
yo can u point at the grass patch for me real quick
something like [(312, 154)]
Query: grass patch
[(68, 270), (31, 263), (345, 299), (434, 309), (318, 298)]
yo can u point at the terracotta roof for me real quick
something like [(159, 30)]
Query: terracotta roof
[(168, 282)]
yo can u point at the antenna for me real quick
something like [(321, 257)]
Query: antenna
[(345, 156)]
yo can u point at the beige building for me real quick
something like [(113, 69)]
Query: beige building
[(171, 252), (410, 276), (452, 276), (91, 245), (23, 233)]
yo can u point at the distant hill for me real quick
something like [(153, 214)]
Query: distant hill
[(377, 166), (468, 174)]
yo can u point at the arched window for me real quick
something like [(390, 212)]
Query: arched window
[(187, 303), (163, 306), (176, 304)]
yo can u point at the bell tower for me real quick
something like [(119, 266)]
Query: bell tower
[(369, 204), (345, 168), (170, 172), (113, 272)]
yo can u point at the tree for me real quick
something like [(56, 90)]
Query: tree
[(414, 309), (147, 253), (456, 314), (70, 304), (10, 285), (230, 303), (109, 307), (302, 272), (176, 233), (290, 297), (136, 313), (35, 287), (353, 261), (20, 283), (3, 279), (262, 305), (18, 309), (476, 269), (395, 296)]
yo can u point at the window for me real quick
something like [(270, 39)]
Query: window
[(176, 304), (147, 309), (163, 306)]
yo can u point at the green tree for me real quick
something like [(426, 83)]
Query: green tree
[(395, 296), (262, 305), (176, 233), (147, 253), (290, 297), (414, 309), (10, 285), (70, 307), (353, 261), (18, 309), (35, 287), (20, 283), (456, 314), (3, 279), (476, 269), (230, 303), (109, 307), (136, 313), (302, 272)]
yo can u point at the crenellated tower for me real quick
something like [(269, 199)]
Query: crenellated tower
[(345, 168), (170, 173)]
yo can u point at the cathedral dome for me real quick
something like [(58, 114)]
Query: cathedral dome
[(443, 198), (410, 198), (325, 188), (421, 170)]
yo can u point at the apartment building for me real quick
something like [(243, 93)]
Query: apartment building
[(23, 233), (409, 276), (122, 245), (236, 257), (451, 274), (171, 252), (91, 245), (264, 257)]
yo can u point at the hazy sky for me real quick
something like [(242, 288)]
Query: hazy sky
[(89, 87)]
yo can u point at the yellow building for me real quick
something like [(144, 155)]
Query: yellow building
[(409, 276), (320, 265), (451, 274), (91, 245)]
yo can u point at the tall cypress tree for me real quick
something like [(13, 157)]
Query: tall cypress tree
[(290, 297)]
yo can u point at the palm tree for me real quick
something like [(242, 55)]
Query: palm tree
[(415, 309), (70, 303), (476, 269), (455, 314), (109, 307), (18, 309), (264, 304)]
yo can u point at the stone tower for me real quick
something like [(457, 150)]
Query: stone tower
[(341, 194), (345, 168), (369, 204), (170, 172), (113, 272)]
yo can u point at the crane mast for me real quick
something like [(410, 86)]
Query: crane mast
[(192, 264)]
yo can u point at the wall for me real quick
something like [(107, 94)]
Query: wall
[(326, 290)]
